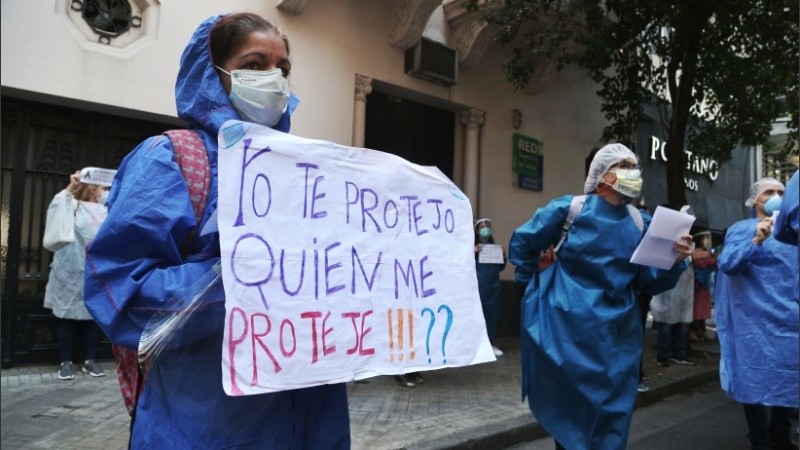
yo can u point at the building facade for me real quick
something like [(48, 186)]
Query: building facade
[(84, 81)]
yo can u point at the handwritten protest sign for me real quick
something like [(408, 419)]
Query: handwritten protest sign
[(339, 264)]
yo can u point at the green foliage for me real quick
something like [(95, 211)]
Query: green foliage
[(727, 66)]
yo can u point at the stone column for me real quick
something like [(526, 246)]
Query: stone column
[(363, 89), (473, 120)]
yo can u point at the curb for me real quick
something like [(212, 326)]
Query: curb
[(701, 378), (525, 428)]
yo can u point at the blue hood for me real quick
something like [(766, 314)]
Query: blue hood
[(200, 97)]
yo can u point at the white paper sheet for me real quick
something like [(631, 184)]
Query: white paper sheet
[(490, 254), (667, 227)]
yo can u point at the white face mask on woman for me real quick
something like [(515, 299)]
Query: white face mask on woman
[(102, 197), (628, 182), (259, 96)]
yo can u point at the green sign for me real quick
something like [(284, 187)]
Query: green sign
[(527, 156)]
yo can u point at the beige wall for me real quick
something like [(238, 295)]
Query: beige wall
[(332, 40)]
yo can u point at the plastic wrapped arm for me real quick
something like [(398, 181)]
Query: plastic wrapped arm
[(134, 267)]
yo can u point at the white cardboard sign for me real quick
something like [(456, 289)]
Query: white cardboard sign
[(340, 264), (97, 175)]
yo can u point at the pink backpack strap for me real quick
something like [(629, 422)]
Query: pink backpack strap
[(192, 158)]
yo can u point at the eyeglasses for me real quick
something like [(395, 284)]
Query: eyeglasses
[(625, 165)]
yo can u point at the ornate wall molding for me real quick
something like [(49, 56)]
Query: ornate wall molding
[(292, 6), (117, 28), (410, 17), (471, 40), (471, 34), (363, 87), (473, 117)]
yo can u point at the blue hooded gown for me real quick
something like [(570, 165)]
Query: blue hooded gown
[(581, 329), (757, 318), (134, 267)]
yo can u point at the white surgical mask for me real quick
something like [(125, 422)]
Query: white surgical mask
[(259, 96), (629, 182), (102, 198)]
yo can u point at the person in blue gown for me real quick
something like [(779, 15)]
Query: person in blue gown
[(787, 224), (489, 280), (757, 320), (581, 330), (135, 266)]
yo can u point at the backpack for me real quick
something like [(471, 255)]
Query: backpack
[(192, 158), (548, 257)]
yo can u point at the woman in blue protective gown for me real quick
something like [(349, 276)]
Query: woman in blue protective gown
[(488, 280), (581, 330), (134, 265), (757, 318)]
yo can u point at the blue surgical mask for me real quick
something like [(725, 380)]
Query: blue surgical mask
[(485, 233), (773, 204)]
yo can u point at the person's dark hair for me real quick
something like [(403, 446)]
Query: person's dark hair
[(230, 32)]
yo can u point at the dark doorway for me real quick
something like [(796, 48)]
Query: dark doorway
[(414, 131), (41, 146)]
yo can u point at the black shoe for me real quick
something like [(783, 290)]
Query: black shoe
[(65, 371), (404, 381), (662, 362), (416, 377)]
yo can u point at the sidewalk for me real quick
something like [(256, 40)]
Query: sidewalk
[(469, 407)]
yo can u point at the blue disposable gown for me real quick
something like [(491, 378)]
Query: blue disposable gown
[(581, 328), (757, 318), (489, 290), (787, 225), (134, 267)]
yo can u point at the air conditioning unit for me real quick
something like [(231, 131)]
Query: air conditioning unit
[(432, 61)]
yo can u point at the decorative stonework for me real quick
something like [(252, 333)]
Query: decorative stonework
[(292, 6), (103, 24), (471, 40), (471, 34), (473, 117), (363, 87), (410, 17)]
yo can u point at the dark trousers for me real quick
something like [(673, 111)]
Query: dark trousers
[(644, 307), (767, 431), (68, 329), (671, 340)]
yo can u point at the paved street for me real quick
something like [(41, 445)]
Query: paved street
[(477, 406)]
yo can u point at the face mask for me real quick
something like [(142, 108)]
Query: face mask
[(628, 183), (102, 198), (485, 233), (259, 96), (773, 204)]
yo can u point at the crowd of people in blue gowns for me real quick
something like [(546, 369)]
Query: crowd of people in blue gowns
[(581, 328)]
